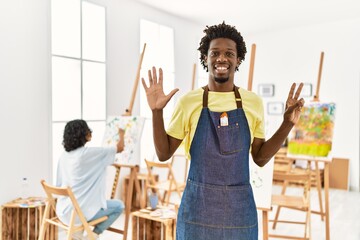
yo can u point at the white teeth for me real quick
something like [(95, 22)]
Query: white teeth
[(221, 68)]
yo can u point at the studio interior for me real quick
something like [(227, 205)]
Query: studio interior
[(96, 60)]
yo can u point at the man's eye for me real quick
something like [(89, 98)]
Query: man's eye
[(230, 54), (213, 54)]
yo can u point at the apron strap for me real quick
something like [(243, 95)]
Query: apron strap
[(237, 96), (205, 96)]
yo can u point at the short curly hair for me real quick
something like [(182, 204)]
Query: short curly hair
[(75, 134), (221, 31)]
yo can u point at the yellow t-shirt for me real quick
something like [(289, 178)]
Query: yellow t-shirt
[(187, 111)]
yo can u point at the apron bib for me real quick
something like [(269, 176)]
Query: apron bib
[(218, 201)]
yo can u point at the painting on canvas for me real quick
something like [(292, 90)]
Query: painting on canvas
[(133, 126), (312, 135)]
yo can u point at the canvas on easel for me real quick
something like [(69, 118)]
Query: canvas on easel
[(260, 177), (313, 133), (133, 126), (261, 182)]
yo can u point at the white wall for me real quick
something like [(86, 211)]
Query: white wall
[(25, 78), (24, 95), (293, 55)]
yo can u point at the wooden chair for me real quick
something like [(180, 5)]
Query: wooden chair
[(167, 186), (298, 202), (52, 193), (180, 161), (284, 164)]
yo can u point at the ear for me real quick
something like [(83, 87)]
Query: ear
[(205, 60), (88, 137), (238, 62)]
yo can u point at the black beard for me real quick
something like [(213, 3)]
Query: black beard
[(221, 80)]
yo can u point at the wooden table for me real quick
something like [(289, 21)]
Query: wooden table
[(21, 220)]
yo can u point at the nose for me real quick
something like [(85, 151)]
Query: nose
[(221, 58)]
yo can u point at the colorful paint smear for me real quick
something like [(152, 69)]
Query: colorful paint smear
[(312, 135), (133, 126)]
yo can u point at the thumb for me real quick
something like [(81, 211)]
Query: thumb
[(172, 93)]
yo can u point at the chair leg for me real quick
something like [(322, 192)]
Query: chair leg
[(168, 198), (43, 229), (44, 223), (283, 191), (276, 218), (89, 232), (309, 224)]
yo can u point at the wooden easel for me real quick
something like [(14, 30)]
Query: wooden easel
[(193, 77), (251, 68), (265, 211), (323, 213), (134, 169), (317, 170), (128, 111), (132, 181)]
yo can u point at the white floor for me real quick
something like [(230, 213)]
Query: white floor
[(344, 219)]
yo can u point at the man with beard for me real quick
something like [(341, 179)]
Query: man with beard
[(220, 124)]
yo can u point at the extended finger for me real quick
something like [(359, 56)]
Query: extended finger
[(298, 105), (298, 91), (160, 76), (150, 78), (144, 83), (291, 93), (154, 75)]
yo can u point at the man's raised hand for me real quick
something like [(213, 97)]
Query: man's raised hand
[(155, 95)]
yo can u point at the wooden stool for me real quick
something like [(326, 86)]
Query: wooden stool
[(148, 227), (21, 219)]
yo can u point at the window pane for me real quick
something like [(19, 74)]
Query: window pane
[(160, 53), (66, 89), (166, 55), (94, 91), (149, 34), (65, 27), (93, 31)]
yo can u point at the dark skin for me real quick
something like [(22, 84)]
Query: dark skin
[(221, 61)]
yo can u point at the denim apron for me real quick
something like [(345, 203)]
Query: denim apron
[(218, 202)]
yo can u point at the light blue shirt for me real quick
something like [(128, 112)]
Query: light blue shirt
[(84, 170)]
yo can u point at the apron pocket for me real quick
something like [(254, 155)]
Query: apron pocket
[(240, 206), (203, 204), (229, 139), (219, 206)]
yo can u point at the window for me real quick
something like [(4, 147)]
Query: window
[(159, 52), (78, 69)]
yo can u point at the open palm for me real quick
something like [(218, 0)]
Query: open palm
[(155, 95)]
